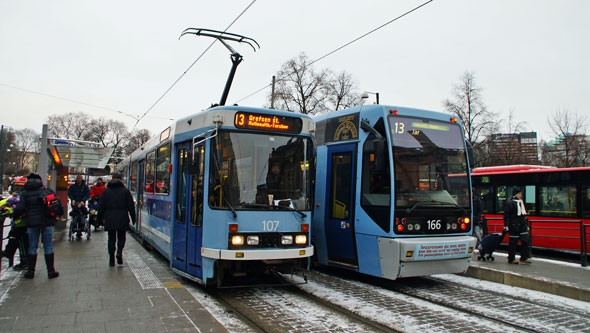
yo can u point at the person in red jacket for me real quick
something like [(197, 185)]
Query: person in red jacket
[(98, 188)]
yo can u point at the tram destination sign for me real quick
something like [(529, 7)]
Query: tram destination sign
[(267, 122)]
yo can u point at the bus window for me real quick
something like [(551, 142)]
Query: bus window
[(558, 201), (585, 201), (501, 196), (529, 199), (487, 198)]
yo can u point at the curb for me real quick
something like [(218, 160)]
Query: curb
[(507, 278)]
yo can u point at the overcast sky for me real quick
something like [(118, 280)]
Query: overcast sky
[(530, 56)]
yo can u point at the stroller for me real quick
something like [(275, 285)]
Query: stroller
[(79, 223), (489, 244), (93, 217)]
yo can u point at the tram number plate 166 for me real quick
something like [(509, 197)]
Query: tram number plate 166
[(434, 224)]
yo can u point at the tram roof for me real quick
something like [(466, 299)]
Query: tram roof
[(387, 109)]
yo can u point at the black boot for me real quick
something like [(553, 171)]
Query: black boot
[(30, 273), (51, 273), (111, 260), (120, 257), (9, 257)]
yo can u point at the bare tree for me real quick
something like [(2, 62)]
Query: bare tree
[(467, 104), (570, 147), (69, 126), (136, 139), (342, 92), (26, 151)]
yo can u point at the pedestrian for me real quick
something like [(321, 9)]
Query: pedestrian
[(477, 213), (17, 237), (115, 207), (97, 188), (516, 225), (40, 223), (78, 192)]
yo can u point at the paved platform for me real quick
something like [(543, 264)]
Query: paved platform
[(142, 295), (551, 276)]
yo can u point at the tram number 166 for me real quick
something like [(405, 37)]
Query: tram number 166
[(270, 225), (434, 224)]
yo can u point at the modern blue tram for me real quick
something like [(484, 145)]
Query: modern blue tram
[(227, 192), (392, 192)]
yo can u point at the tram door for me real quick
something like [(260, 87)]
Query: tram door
[(140, 191), (339, 222), (187, 237)]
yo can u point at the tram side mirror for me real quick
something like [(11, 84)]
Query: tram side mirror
[(381, 156), (470, 156)]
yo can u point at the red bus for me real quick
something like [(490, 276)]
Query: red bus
[(557, 201)]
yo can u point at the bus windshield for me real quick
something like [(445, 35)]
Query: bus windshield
[(260, 171), (430, 164)]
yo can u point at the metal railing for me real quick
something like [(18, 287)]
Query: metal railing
[(583, 228)]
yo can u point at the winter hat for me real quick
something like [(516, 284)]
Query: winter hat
[(34, 176), (515, 191)]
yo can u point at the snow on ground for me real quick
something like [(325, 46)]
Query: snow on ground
[(532, 295), (394, 319), (228, 320)]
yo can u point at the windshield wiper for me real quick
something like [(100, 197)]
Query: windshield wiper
[(230, 207), (291, 209), (420, 203)]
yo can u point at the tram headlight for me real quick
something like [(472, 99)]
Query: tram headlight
[(287, 239), (417, 227), (454, 226), (301, 239), (410, 227), (252, 240), (237, 240)]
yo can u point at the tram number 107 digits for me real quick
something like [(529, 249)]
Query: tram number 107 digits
[(434, 224), (270, 225)]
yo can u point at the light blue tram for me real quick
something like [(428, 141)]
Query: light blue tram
[(392, 192), (227, 192)]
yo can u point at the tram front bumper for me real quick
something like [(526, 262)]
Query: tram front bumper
[(403, 257), (261, 254)]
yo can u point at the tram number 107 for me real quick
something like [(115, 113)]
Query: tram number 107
[(434, 224), (268, 225)]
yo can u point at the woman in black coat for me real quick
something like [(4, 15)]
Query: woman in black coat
[(115, 207)]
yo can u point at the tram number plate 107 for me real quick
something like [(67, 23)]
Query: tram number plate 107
[(268, 225)]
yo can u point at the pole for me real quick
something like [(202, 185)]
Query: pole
[(2, 159), (43, 155), (377, 95), (272, 93)]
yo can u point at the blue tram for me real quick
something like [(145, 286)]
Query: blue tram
[(226, 192), (392, 192)]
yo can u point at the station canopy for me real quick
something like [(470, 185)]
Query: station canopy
[(79, 154)]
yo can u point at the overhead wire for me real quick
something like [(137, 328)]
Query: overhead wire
[(343, 46), (191, 66)]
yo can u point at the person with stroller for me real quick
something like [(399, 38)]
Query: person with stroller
[(78, 214), (516, 225), (17, 237), (115, 207), (78, 192), (39, 224)]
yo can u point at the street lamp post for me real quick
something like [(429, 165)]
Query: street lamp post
[(365, 95)]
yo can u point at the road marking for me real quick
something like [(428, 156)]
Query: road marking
[(173, 284)]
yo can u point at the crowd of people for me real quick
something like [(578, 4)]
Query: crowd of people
[(34, 217)]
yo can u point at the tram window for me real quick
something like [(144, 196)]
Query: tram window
[(586, 201), (341, 185), (558, 201), (376, 179), (125, 170), (162, 175), (133, 177), (197, 188), (150, 172)]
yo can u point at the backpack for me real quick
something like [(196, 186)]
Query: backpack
[(53, 207)]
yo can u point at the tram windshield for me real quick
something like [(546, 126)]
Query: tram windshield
[(260, 171), (430, 164)]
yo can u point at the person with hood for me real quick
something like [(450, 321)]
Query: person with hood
[(115, 207), (97, 188), (78, 192), (17, 238), (516, 225), (39, 224)]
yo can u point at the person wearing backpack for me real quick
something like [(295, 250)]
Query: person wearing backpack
[(40, 222)]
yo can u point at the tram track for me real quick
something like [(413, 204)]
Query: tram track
[(288, 308)]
